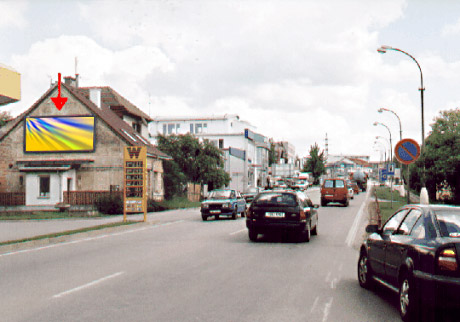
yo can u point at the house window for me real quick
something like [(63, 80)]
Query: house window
[(44, 186), (136, 127), (191, 128), (221, 143), (164, 129), (173, 128)]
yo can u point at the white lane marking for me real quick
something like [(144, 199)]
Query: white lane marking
[(327, 309), (89, 239), (79, 288), (354, 228), (315, 303), (237, 232)]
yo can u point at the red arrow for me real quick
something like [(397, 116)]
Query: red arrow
[(59, 101)]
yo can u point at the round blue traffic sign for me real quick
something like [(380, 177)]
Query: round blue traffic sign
[(407, 151)]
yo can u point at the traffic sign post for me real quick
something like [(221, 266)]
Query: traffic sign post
[(407, 151), (383, 175)]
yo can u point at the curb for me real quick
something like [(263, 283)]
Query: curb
[(18, 246)]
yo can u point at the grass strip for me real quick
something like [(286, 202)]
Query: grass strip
[(68, 232), (179, 203), (38, 215), (386, 208)]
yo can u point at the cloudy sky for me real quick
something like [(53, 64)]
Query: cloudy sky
[(296, 70)]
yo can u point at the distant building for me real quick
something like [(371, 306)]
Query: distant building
[(245, 151), (341, 165), (284, 152)]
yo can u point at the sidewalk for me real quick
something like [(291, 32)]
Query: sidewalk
[(21, 229)]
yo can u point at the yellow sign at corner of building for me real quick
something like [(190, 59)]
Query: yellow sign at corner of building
[(10, 85)]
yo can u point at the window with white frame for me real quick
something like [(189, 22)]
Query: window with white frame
[(44, 186)]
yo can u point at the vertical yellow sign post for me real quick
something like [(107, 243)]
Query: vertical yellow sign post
[(135, 180)]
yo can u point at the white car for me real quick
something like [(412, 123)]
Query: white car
[(351, 193)]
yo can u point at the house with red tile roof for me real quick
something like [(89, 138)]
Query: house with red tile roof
[(37, 177)]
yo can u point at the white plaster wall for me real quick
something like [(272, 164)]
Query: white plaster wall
[(33, 189)]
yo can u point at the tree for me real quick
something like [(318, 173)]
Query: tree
[(5, 117), (271, 154), (440, 158), (316, 163), (193, 161)]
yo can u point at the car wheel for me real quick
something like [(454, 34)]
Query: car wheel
[(252, 235), (216, 217), (407, 298), (306, 234), (346, 203), (234, 214), (205, 218), (243, 214), (364, 271), (314, 231), (323, 203)]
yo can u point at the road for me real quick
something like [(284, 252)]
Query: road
[(184, 269)]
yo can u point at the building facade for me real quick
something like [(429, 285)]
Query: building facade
[(245, 151), (45, 175)]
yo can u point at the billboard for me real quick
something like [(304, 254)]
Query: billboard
[(59, 134)]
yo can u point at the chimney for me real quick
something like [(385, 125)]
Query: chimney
[(70, 81), (95, 96)]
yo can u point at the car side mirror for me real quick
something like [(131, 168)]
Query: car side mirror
[(372, 229)]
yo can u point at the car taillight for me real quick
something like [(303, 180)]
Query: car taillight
[(302, 214), (447, 260)]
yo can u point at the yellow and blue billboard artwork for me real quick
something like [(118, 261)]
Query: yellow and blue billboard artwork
[(59, 134)]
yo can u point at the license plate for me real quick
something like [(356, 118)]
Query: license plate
[(274, 214), (214, 211)]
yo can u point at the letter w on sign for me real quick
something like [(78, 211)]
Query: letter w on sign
[(134, 152)]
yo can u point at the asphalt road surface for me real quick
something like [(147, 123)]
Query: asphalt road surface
[(184, 269)]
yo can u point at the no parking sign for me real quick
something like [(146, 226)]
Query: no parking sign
[(407, 151)]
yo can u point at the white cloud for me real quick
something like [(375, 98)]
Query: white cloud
[(12, 14), (451, 29), (124, 70)]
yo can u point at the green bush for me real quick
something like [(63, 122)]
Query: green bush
[(153, 206), (109, 205)]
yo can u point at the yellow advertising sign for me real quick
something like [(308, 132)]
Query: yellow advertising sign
[(135, 180), (10, 85)]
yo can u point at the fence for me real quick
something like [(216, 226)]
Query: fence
[(193, 192), (12, 198), (88, 197)]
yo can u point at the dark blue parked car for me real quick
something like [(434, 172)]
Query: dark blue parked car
[(416, 254)]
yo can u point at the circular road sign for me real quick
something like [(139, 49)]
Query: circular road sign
[(407, 151)]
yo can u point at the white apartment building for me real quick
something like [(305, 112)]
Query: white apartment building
[(245, 152)]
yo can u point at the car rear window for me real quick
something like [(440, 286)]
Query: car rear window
[(339, 183), (329, 184), (449, 222), (275, 199)]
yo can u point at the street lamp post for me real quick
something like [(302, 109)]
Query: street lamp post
[(391, 160), (380, 110), (381, 137), (391, 146), (383, 49)]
